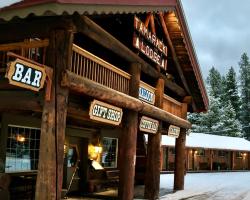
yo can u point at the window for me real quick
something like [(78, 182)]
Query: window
[(22, 149), (222, 153), (200, 152), (238, 154), (172, 151), (109, 154)]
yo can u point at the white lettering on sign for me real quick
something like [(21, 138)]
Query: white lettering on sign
[(143, 30), (148, 125), (26, 75), (146, 94), (104, 112), (174, 131), (149, 52)]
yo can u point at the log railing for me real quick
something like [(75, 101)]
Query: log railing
[(172, 106), (34, 49), (96, 69)]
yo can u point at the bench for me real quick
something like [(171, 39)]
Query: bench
[(100, 180)]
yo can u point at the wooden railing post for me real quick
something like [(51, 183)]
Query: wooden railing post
[(50, 167), (152, 177), (180, 142), (128, 140)]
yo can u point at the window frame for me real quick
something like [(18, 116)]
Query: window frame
[(10, 125), (116, 152)]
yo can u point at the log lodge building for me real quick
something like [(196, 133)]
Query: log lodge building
[(205, 152), (81, 82)]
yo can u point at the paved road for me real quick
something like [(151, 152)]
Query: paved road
[(210, 186)]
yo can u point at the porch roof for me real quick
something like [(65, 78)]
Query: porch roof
[(176, 23), (208, 141)]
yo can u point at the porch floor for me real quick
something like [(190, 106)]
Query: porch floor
[(112, 193)]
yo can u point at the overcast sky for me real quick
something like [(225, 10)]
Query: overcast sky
[(220, 30)]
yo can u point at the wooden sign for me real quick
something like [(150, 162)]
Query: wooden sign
[(147, 43), (146, 93), (174, 131), (104, 112), (26, 75), (149, 125)]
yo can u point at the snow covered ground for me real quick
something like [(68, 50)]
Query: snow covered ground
[(210, 186)]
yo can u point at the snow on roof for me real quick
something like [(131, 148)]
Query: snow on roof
[(5, 3), (209, 141)]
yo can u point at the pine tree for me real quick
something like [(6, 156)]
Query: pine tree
[(230, 126), (208, 122), (245, 94), (231, 94), (214, 83)]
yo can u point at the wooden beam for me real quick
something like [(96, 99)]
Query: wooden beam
[(180, 147), (31, 28), (129, 138), (85, 86), (175, 59), (152, 176), (20, 100), (50, 168), (89, 28)]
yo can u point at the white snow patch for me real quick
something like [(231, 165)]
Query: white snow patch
[(210, 186), (211, 142)]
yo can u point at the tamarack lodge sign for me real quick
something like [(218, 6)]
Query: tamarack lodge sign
[(148, 44), (26, 75), (148, 125), (104, 112)]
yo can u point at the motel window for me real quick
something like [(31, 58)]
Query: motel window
[(172, 151), (238, 154), (200, 152), (222, 153), (109, 154), (22, 150)]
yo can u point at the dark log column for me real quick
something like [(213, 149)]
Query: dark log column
[(128, 140), (232, 160), (180, 142), (211, 159), (248, 158), (50, 168), (152, 177)]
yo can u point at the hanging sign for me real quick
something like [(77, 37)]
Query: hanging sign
[(174, 131), (149, 125), (146, 93), (104, 112), (148, 44), (26, 75)]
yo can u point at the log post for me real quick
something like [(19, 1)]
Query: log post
[(179, 171), (211, 159), (128, 140), (50, 167), (232, 159), (152, 177)]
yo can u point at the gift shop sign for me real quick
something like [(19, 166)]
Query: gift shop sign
[(147, 43), (149, 125), (26, 75), (174, 131), (104, 112)]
